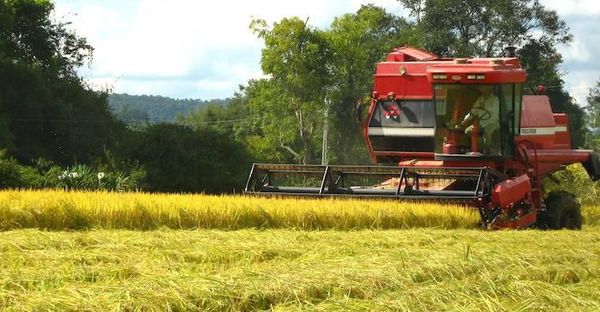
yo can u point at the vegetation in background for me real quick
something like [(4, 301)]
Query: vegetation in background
[(45, 174), (45, 108), (593, 118), (178, 159), (142, 109), (574, 179), (359, 41)]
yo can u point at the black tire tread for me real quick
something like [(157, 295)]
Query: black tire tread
[(563, 211)]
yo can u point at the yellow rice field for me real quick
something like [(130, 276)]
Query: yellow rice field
[(274, 261), (295, 270), (58, 210)]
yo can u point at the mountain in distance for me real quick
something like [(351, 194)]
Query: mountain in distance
[(136, 109)]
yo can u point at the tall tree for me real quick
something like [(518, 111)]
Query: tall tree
[(483, 28), (296, 57), (45, 108), (593, 121), (358, 40)]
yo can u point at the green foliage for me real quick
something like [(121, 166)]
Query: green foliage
[(45, 108), (484, 28), (359, 40), (308, 68), (297, 57), (82, 177), (176, 158), (29, 36), (136, 109), (574, 179), (593, 120), (223, 118), (10, 172), (44, 174)]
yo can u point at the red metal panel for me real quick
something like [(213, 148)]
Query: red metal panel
[(559, 156), (536, 112), (405, 54), (407, 80), (457, 73), (562, 139), (511, 191)]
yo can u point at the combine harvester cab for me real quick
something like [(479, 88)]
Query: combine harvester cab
[(456, 130)]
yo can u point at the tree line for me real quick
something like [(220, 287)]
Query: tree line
[(143, 109), (50, 120)]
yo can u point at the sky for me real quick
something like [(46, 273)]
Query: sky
[(205, 50)]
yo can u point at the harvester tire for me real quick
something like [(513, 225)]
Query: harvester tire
[(563, 211)]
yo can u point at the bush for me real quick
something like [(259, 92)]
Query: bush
[(179, 159), (78, 177), (10, 172), (574, 179), (81, 177)]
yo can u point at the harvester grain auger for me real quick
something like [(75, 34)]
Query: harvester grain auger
[(457, 130)]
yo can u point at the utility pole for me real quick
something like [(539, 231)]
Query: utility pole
[(325, 130)]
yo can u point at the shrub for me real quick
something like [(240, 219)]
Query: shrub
[(10, 172), (78, 177), (574, 179)]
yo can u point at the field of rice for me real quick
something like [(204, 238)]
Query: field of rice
[(106, 251), (60, 210)]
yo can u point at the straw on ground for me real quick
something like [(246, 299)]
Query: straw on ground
[(374, 270)]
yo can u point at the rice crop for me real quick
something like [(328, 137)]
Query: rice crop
[(373, 270), (64, 210)]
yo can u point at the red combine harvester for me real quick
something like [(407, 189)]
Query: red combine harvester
[(457, 130)]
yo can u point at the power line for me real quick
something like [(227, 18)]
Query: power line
[(32, 119)]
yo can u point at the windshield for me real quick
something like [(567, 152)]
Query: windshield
[(403, 114), (470, 118)]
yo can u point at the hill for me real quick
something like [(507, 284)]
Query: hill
[(134, 109)]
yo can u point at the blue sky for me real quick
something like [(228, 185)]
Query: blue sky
[(192, 49)]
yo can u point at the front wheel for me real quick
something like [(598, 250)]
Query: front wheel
[(563, 211)]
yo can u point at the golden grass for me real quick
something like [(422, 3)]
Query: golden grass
[(372, 270), (59, 210)]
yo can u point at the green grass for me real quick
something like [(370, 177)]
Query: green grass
[(412, 269)]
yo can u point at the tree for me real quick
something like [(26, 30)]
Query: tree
[(308, 68), (297, 58), (45, 108), (593, 120), (359, 41), (176, 158), (465, 28), (29, 36), (483, 28)]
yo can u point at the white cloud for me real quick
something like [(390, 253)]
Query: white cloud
[(577, 51), (186, 48), (195, 43), (573, 7), (579, 85)]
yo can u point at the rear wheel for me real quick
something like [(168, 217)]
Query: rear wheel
[(563, 211)]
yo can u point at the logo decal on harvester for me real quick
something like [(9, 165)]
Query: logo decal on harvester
[(543, 130), (528, 131)]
